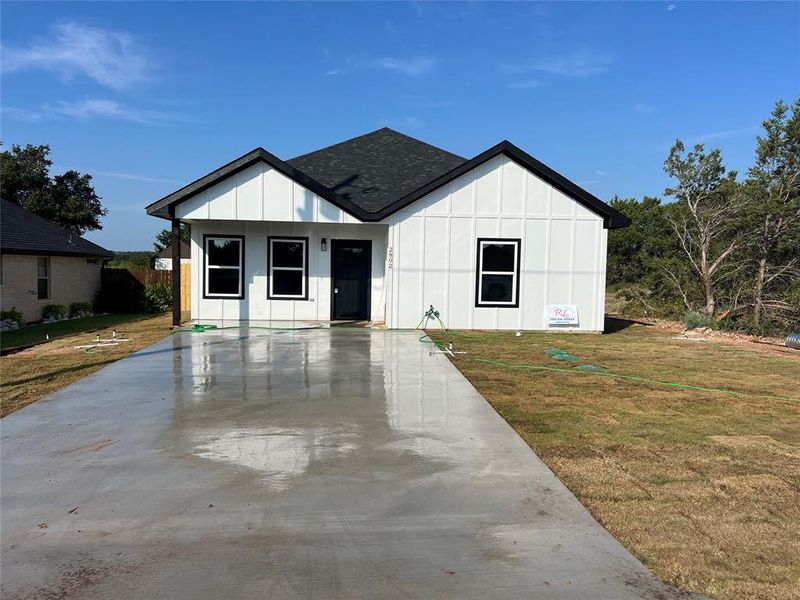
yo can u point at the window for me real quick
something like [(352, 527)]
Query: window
[(288, 268), (43, 277), (498, 272), (224, 256)]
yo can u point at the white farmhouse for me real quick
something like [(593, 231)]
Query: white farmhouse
[(382, 226)]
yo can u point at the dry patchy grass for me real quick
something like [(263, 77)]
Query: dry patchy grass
[(36, 372), (703, 487)]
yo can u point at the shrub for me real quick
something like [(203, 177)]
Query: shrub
[(694, 319), (81, 309), (54, 312), (12, 315), (157, 296), (11, 319)]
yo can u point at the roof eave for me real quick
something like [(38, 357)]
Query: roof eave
[(44, 252), (612, 218), (162, 208)]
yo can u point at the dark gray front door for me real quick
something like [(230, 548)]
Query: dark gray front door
[(351, 268)]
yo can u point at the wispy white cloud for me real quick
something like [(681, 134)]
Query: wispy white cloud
[(97, 108), (671, 7), (110, 58), (601, 173), (719, 135), (22, 114), (572, 64), (643, 109), (409, 122), (526, 84), (134, 177), (711, 136), (413, 66)]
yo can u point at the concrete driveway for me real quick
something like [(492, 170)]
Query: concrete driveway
[(310, 464)]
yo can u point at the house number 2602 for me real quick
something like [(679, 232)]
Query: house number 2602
[(389, 257)]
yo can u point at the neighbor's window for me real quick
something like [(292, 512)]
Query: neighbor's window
[(498, 272), (288, 268), (224, 266), (43, 277)]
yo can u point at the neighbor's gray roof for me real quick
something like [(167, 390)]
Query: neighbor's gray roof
[(375, 175), (23, 232), (186, 251)]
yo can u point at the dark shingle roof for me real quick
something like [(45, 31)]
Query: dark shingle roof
[(23, 232), (375, 175), (376, 169)]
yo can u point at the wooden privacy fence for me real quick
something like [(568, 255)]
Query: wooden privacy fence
[(186, 287), (122, 290)]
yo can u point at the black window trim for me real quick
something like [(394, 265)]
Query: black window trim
[(479, 266), (287, 238), (208, 296)]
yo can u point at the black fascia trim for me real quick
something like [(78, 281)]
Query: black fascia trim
[(205, 267), (612, 218), (161, 208), (305, 267), (479, 266), (43, 252)]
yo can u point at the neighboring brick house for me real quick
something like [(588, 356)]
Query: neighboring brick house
[(42, 263)]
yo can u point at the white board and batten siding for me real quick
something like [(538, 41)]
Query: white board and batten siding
[(259, 202), (433, 251)]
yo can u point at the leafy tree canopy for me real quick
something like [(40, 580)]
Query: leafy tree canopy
[(68, 199), (164, 237)]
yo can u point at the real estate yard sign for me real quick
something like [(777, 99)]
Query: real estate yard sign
[(562, 314)]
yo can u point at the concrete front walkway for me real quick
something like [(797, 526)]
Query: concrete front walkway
[(310, 464)]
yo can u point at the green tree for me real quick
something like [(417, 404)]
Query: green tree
[(633, 250), (68, 200), (773, 212), (705, 220), (164, 237)]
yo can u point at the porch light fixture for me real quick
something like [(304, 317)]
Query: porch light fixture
[(323, 246)]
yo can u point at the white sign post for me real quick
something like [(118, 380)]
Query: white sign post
[(562, 314)]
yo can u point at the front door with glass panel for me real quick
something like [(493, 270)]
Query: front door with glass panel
[(351, 268)]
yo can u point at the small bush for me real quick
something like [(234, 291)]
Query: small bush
[(157, 296), (694, 319), (54, 312), (81, 309), (12, 315)]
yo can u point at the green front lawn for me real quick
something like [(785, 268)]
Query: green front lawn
[(34, 334), (687, 451)]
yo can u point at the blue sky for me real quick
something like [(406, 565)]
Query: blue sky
[(147, 97)]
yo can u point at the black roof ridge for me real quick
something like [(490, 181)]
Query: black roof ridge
[(243, 162), (363, 135), (612, 218)]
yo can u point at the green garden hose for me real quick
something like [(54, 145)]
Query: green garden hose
[(685, 386)]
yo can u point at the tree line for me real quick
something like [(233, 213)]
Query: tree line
[(726, 251)]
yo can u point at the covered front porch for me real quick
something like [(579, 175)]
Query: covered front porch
[(273, 271)]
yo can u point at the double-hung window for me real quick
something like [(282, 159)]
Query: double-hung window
[(287, 258), (224, 266), (498, 272), (43, 277)]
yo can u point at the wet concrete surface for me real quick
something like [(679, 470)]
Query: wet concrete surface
[(309, 464)]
